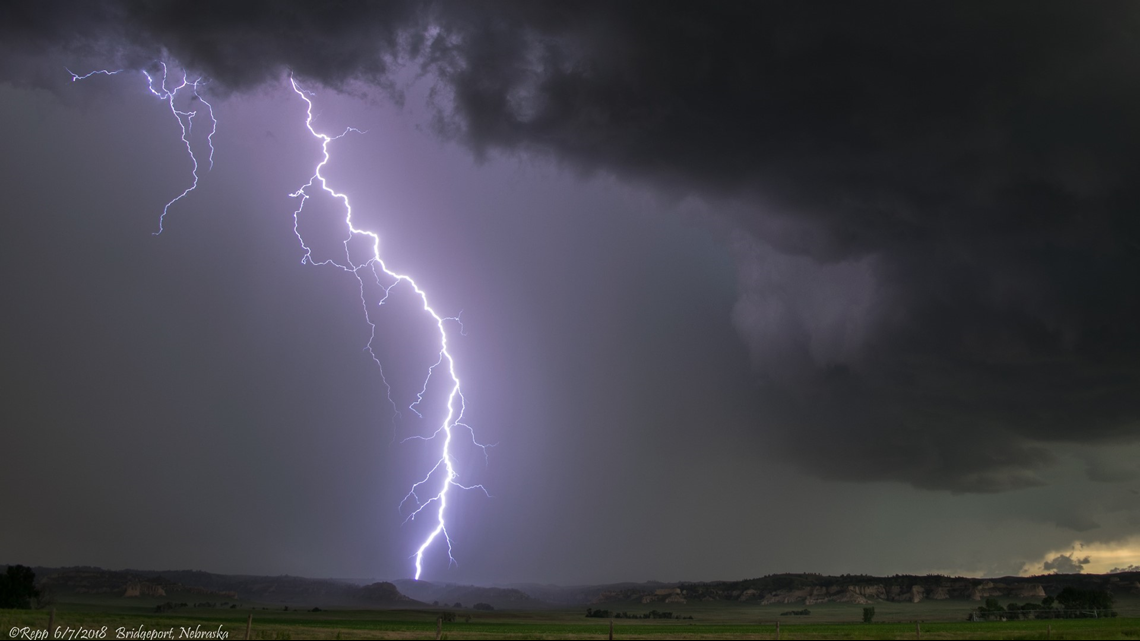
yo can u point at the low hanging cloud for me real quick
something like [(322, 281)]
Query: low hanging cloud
[(938, 254), (1066, 564)]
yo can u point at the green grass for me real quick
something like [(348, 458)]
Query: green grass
[(713, 620)]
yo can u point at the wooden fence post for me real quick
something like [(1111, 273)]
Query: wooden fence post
[(777, 630), (611, 630), (51, 624), (249, 626), (917, 631), (439, 628)]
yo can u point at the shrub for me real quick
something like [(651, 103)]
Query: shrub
[(18, 588)]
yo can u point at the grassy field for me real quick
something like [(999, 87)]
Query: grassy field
[(937, 619)]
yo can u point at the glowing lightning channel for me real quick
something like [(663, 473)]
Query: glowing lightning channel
[(455, 400), (105, 72), (185, 120), (456, 404)]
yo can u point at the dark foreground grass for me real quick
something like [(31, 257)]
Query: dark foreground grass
[(115, 621)]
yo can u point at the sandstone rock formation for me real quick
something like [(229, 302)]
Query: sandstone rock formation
[(137, 588)]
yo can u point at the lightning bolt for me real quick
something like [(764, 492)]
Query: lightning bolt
[(185, 120), (444, 472), (443, 476)]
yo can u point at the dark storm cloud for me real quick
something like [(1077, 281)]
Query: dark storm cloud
[(938, 249), (236, 45), (939, 201)]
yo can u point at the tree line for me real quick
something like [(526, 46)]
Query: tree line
[(1071, 603)]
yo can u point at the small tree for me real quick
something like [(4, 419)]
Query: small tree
[(868, 614), (18, 588)]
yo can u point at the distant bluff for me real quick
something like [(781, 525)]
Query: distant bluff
[(810, 589)]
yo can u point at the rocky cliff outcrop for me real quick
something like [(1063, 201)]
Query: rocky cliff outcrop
[(137, 588)]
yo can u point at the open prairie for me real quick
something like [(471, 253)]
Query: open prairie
[(109, 618)]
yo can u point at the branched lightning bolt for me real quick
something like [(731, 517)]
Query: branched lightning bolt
[(455, 402), (375, 265), (185, 120), (105, 72), (169, 95)]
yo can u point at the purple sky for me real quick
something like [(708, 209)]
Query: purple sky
[(783, 323)]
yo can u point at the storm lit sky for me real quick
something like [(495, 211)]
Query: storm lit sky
[(831, 287)]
